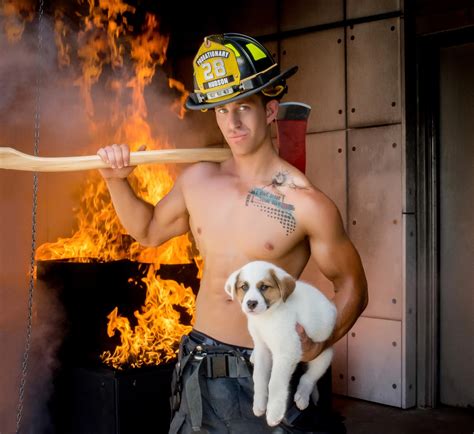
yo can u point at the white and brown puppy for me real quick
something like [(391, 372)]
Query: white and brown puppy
[(274, 302)]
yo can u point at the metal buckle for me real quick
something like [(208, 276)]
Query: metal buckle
[(198, 353)]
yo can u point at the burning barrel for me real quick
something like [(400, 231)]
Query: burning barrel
[(123, 321)]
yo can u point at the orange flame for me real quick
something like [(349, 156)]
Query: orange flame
[(15, 15), (152, 340), (105, 40), (60, 36)]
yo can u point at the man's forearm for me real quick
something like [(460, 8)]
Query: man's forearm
[(134, 213), (350, 300)]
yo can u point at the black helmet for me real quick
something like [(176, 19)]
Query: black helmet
[(232, 66)]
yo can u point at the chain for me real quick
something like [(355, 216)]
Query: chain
[(29, 327)]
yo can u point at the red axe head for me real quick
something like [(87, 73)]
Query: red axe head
[(292, 122)]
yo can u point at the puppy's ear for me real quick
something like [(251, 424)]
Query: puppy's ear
[(231, 283), (286, 283)]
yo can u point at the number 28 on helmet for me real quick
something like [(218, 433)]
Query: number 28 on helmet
[(233, 66)]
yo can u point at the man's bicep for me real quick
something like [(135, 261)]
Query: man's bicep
[(331, 248), (336, 257), (170, 217)]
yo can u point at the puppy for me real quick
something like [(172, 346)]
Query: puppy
[(274, 302)]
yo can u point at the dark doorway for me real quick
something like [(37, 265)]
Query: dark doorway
[(445, 193)]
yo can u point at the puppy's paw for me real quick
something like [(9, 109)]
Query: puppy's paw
[(258, 411), (259, 405), (275, 414), (301, 401)]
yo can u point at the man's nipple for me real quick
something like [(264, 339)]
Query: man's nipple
[(269, 246)]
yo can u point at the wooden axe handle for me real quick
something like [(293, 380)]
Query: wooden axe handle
[(12, 159)]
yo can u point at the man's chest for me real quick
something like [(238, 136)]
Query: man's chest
[(255, 221)]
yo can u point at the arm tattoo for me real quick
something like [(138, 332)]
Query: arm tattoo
[(283, 179)]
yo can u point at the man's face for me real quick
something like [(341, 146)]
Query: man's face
[(244, 123)]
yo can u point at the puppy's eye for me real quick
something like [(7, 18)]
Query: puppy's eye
[(264, 287), (244, 286)]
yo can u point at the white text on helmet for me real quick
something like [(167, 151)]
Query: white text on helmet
[(213, 53)]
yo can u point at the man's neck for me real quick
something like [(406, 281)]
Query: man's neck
[(257, 167)]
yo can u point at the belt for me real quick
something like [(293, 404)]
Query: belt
[(212, 359)]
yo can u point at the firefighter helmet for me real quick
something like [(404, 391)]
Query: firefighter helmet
[(232, 66)]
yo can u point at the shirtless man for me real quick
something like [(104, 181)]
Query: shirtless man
[(254, 206)]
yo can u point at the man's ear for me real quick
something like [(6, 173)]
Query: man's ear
[(285, 283), (271, 110), (230, 284)]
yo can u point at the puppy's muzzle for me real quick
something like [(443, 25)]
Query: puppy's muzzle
[(252, 304)]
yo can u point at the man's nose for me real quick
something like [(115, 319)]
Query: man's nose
[(234, 120), (252, 304)]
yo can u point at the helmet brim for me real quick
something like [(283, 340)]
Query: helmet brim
[(192, 105)]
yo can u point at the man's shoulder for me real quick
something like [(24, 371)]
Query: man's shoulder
[(315, 208), (199, 172)]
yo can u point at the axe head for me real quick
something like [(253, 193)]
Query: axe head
[(292, 121)]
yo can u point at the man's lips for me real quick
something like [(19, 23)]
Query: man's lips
[(239, 136)]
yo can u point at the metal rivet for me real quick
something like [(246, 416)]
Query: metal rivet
[(351, 26), (394, 103), (339, 40), (339, 150), (341, 376), (354, 222), (353, 110), (394, 386), (352, 37), (410, 310), (394, 145), (353, 148), (134, 383), (284, 52), (411, 234), (394, 343), (340, 112), (410, 386), (395, 221), (392, 28), (353, 378), (394, 300), (353, 334)]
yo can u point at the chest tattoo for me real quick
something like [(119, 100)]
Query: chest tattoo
[(274, 206)]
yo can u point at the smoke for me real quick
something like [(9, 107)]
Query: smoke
[(68, 127)]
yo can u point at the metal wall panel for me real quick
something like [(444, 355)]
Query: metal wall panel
[(326, 165), (374, 354), (297, 14), (326, 169), (409, 312), (339, 367), (365, 8), (320, 79), (375, 214), (249, 17), (373, 73)]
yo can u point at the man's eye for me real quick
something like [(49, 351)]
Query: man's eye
[(243, 107)]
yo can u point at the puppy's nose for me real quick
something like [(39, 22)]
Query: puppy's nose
[(252, 304)]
